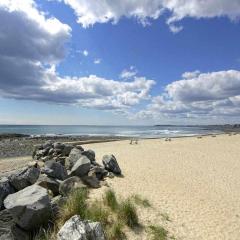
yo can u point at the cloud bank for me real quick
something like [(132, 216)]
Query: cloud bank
[(204, 96), (89, 12), (31, 44)]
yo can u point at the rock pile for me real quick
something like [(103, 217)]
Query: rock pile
[(29, 197)]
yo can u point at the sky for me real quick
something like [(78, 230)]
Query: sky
[(113, 62)]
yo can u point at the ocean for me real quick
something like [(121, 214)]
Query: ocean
[(125, 131)]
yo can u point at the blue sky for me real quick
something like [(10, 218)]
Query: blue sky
[(133, 68)]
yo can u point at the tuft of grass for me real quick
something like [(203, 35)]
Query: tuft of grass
[(98, 213), (165, 217), (115, 232), (141, 201), (158, 232), (111, 200), (75, 205), (44, 234), (128, 214)]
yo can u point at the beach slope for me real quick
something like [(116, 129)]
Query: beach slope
[(193, 184)]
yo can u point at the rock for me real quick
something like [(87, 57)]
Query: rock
[(29, 207), (110, 175), (48, 144), (55, 170), (24, 177), (56, 203), (79, 147), (58, 145), (76, 229), (90, 154), (67, 149), (74, 155), (98, 172), (9, 230), (61, 160), (49, 183), (5, 190), (111, 164), (91, 181), (70, 184), (81, 167)]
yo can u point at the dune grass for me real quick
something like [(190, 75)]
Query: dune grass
[(141, 201), (158, 232), (113, 214), (75, 205), (110, 199), (128, 213)]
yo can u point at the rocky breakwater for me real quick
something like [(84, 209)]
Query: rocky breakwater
[(30, 197)]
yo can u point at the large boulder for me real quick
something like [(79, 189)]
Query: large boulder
[(55, 170), (74, 155), (81, 167), (9, 230), (5, 190), (49, 183), (67, 149), (90, 154), (76, 229), (70, 184), (29, 207), (111, 164), (24, 177)]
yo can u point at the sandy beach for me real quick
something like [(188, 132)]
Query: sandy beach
[(195, 182)]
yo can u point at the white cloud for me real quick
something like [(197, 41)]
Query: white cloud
[(32, 44), (204, 96), (89, 12), (189, 75), (128, 73), (97, 61), (85, 53)]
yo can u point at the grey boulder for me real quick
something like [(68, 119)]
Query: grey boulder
[(81, 167), (29, 207), (55, 170), (74, 155), (49, 183), (9, 230), (90, 154), (111, 164), (70, 184), (5, 190), (24, 177), (76, 229)]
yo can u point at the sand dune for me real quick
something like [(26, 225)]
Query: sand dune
[(196, 182)]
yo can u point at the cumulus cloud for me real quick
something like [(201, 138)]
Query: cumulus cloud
[(89, 12), (97, 61), (31, 46), (128, 73), (201, 95)]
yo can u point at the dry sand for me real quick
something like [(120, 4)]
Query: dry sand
[(196, 182)]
